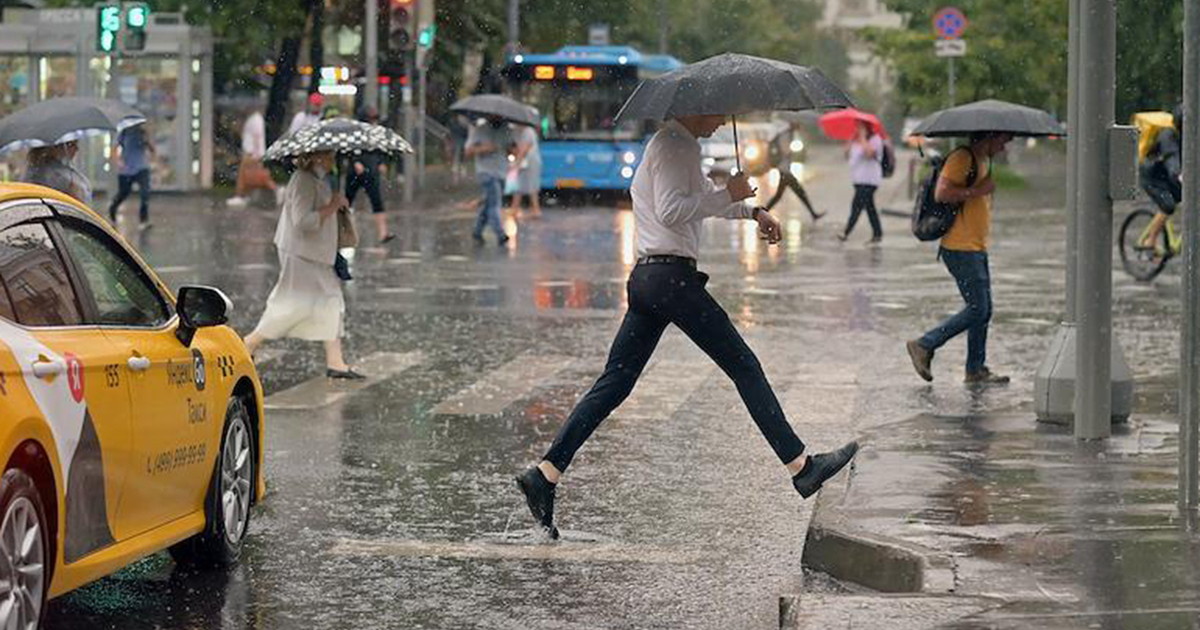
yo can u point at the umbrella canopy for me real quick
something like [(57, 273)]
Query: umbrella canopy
[(60, 120), (841, 125), (497, 106), (990, 115), (340, 135), (731, 84)]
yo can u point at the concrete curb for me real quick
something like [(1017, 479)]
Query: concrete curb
[(840, 548)]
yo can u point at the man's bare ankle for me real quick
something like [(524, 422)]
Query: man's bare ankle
[(549, 471)]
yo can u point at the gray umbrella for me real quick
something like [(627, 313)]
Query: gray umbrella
[(731, 84), (495, 105), (60, 120), (989, 115), (340, 135)]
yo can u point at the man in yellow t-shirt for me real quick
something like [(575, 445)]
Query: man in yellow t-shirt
[(966, 178)]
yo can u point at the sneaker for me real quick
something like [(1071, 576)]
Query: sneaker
[(985, 376), (820, 467), (921, 359), (236, 202), (842, 236), (539, 496), (144, 225), (875, 240), (504, 240)]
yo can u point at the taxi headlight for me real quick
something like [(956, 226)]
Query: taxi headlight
[(629, 157)]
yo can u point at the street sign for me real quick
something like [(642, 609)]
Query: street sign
[(949, 23), (598, 35), (950, 47)]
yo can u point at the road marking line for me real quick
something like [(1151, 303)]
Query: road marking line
[(174, 269), (503, 386), (564, 551), (320, 391), (455, 258), (255, 266), (479, 287), (667, 383), (403, 261), (396, 290), (556, 283)]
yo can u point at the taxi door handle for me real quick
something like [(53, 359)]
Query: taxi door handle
[(139, 364), (47, 368)]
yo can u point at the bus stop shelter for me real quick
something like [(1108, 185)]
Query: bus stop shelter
[(46, 53)]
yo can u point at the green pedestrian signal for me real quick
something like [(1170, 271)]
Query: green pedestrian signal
[(425, 37), (108, 24), (137, 16)]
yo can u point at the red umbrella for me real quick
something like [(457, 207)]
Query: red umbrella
[(840, 125)]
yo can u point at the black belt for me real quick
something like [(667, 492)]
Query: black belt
[(667, 259)]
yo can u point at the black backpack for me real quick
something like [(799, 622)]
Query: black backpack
[(931, 219), (887, 161)]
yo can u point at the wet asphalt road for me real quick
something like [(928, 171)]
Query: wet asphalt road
[(392, 506)]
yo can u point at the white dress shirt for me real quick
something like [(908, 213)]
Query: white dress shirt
[(671, 195)]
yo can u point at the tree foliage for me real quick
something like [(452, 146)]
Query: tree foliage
[(1017, 51)]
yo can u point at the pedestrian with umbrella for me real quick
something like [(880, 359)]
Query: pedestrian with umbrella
[(488, 144), (966, 178), (864, 151), (671, 199), (51, 130), (307, 302)]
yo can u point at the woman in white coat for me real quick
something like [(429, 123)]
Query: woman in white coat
[(307, 302)]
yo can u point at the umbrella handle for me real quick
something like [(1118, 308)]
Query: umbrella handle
[(737, 149)]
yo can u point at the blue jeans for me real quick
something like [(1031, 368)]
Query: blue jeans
[(970, 271), (489, 210)]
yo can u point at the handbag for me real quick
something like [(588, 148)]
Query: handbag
[(347, 234)]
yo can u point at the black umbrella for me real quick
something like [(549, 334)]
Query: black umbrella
[(989, 115), (60, 120), (497, 106), (340, 135), (730, 84)]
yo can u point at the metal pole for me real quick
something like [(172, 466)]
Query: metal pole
[(950, 61), (514, 26), (421, 127), (1072, 157), (1093, 358), (371, 54), (1189, 372), (662, 27)]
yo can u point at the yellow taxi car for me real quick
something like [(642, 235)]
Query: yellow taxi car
[(131, 421)]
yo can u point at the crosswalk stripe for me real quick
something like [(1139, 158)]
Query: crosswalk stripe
[(561, 552), (321, 391), (675, 372), (503, 386)]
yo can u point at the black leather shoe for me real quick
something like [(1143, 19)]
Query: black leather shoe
[(348, 374), (821, 467), (539, 496)]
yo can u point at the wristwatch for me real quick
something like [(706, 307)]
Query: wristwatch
[(757, 209)]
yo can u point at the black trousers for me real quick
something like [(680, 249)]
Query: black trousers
[(662, 294), (789, 181), (125, 187), (864, 199), (368, 181)]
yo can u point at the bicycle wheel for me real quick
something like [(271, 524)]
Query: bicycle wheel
[(1143, 261)]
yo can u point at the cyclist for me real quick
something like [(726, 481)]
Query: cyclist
[(1159, 175)]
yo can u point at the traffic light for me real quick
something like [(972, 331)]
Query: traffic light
[(108, 25), (425, 37), (137, 16), (400, 25)]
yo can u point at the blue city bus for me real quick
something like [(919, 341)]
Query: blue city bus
[(578, 91)]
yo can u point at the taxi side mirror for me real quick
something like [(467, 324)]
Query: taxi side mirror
[(200, 307)]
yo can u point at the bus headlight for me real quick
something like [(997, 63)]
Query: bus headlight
[(627, 172), (629, 157)]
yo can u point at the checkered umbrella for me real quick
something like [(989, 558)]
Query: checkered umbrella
[(340, 135)]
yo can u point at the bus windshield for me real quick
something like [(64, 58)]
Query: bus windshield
[(581, 110)]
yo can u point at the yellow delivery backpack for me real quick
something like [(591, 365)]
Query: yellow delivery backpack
[(1148, 125)]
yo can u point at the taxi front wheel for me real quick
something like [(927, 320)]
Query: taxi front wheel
[(227, 504), (24, 552)]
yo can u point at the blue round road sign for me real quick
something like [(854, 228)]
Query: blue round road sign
[(949, 23)]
